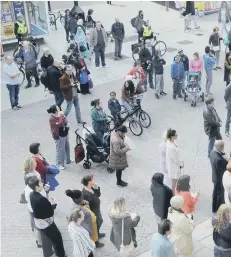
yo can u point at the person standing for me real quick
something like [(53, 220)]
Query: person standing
[(190, 9), (215, 43), (227, 98), (224, 17), (209, 61), (162, 195), (29, 57), (11, 76), (44, 219), (123, 224), (98, 39), (72, 24), (222, 232), (173, 160), (190, 199), (218, 163), (145, 56), (47, 59), (138, 24), (59, 131), (118, 153), (80, 39), (212, 124), (82, 244), (89, 222), (69, 86), (226, 181), (163, 165), (66, 24), (118, 34), (99, 118), (20, 28), (182, 228), (160, 244), (89, 20), (177, 75), (158, 67), (54, 73), (91, 194), (184, 59), (196, 65), (227, 70)]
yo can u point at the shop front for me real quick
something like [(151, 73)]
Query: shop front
[(35, 16)]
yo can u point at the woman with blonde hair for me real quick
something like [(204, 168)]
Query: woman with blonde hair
[(123, 223), (222, 232), (83, 246), (29, 169)]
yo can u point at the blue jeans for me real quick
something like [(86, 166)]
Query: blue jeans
[(59, 98), (75, 101), (212, 140), (219, 253), (13, 92), (99, 52)]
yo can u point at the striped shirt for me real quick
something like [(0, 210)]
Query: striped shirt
[(82, 244)]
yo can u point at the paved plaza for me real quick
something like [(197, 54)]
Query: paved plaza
[(30, 124)]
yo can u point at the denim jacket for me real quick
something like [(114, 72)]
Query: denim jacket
[(114, 106)]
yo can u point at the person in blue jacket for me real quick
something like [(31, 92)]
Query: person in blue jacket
[(177, 75), (209, 61), (114, 106)]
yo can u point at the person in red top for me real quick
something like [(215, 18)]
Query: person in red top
[(190, 199), (41, 163)]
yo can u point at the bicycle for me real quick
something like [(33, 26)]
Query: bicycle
[(21, 68), (53, 19), (32, 43), (156, 44)]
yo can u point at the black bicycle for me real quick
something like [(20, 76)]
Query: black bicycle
[(53, 19), (21, 68), (32, 43), (157, 45)]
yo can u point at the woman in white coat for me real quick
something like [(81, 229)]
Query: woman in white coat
[(182, 228), (173, 160)]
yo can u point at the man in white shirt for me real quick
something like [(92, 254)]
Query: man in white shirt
[(11, 77)]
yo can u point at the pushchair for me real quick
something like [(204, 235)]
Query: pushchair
[(96, 150), (193, 89)]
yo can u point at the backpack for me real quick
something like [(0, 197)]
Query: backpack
[(44, 78)]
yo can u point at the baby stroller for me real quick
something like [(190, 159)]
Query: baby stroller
[(96, 151), (193, 89)]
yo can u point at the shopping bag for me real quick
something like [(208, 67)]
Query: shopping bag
[(79, 151), (90, 83)]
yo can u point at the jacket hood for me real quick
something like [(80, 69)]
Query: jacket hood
[(113, 214)]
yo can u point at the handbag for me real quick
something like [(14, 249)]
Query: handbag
[(216, 48), (125, 250), (90, 83), (79, 151), (82, 48)]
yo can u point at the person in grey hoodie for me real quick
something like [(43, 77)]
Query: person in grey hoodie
[(227, 98), (224, 16), (29, 56), (120, 216)]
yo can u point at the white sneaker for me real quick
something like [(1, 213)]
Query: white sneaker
[(61, 168), (97, 68)]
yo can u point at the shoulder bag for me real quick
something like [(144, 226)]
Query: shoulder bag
[(125, 250)]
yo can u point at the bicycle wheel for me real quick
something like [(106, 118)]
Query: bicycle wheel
[(135, 127), (144, 119), (135, 53), (123, 112), (111, 123), (16, 51), (21, 77), (62, 20), (161, 46), (36, 47)]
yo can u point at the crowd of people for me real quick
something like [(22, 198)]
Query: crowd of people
[(173, 201)]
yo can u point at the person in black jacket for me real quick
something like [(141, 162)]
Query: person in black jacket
[(145, 56), (66, 24), (91, 193), (190, 9), (222, 232), (162, 195), (118, 34), (55, 72), (47, 59), (218, 163), (44, 220), (212, 124), (90, 23), (184, 59), (158, 67)]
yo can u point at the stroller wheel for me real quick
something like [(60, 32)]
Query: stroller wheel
[(110, 170), (87, 165)]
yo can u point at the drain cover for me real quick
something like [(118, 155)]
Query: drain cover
[(185, 42), (199, 34), (171, 49)]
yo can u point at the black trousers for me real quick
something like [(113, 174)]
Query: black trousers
[(218, 197), (55, 240), (32, 72), (67, 34), (91, 254), (99, 220), (119, 175)]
